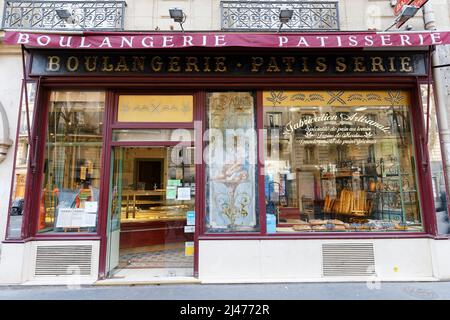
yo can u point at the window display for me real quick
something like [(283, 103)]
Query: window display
[(340, 161), (71, 182), (231, 193)]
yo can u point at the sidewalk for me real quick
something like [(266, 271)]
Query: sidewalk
[(322, 291)]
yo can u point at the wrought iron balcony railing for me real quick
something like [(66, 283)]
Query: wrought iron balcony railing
[(263, 15), (85, 15)]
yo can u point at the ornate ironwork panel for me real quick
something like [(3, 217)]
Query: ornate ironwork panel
[(263, 15), (85, 15)]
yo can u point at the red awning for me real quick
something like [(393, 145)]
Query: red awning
[(158, 40)]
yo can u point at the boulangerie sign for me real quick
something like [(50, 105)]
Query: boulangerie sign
[(285, 62), (90, 40)]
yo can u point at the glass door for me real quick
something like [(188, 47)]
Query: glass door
[(114, 211), (152, 211)]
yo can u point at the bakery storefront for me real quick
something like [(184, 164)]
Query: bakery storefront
[(224, 157)]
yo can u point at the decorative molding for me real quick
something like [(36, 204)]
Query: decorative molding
[(5, 141)]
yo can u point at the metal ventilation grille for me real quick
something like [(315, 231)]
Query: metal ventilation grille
[(63, 260), (348, 259)]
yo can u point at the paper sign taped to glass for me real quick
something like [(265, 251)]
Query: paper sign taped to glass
[(75, 218)]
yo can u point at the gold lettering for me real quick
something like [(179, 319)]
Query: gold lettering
[(206, 67), (320, 64), (273, 65), (122, 65), (220, 64), (72, 64), (405, 64), (191, 64), (305, 64), (156, 64), (174, 64), (257, 62), (288, 62), (340, 64), (138, 64), (106, 65), (90, 63), (359, 64), (377, 64), (392, 64), (53, 63)]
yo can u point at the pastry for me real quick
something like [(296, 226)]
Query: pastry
[(296, 221), (339, 227), (336, 222), (319, 228), (315, 222), (301, 227), (400, 226)]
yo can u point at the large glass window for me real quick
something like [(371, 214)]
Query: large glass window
[(339, 161), (71, 181), (20, 171), (435, 156), (231, 162)]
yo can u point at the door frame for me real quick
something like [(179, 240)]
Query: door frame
[(111, 124)]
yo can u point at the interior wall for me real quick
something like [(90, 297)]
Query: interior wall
[(130, 156)]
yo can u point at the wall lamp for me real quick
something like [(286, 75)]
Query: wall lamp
[(5, 141), (178, 16), (65, 15), (285, 16), (407, 13)]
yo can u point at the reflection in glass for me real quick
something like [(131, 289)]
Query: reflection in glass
[(342, 161), (70, 192), (20, 170), (437, 170)]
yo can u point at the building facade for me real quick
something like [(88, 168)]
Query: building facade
[(148, 153)]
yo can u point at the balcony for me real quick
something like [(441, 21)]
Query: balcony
[(85, 15), (242, 15)]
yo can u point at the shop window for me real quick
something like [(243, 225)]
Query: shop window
[(20, 170), (71, 180), (231, 163), (341, 161), (435, 156), (155, 108)]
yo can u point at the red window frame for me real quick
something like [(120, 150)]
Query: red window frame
[(114, 85)]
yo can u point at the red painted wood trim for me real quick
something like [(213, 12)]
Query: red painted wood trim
[(221, 83), (318, 236), (110, 103), (199, 102), (30, 218), (67, 237), (261, 167)]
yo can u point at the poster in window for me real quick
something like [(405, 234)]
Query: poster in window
[(231, 166)]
